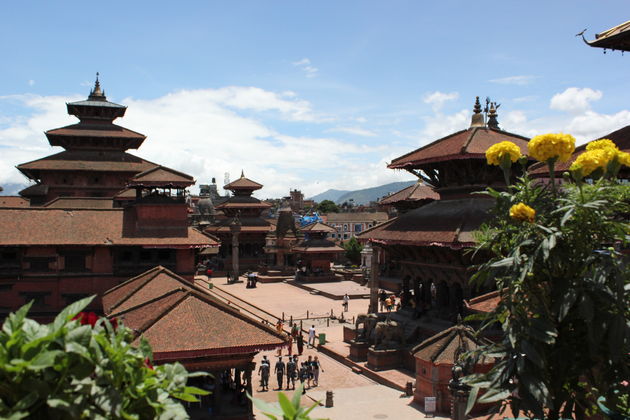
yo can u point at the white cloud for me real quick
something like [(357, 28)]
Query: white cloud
[(439, 125), (358, 131), (575, 100), (437, 99), (306, 66), (31, 82), (514, 80), (206, 133)]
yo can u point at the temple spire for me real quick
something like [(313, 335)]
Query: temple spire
[(477, 117), (97, 94), (242, 174), (492, 116)]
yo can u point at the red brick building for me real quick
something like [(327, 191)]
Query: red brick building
[(82, 241)]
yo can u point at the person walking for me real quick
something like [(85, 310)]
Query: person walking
[(263, 372), (311, 336), (291, 372), (382, 296), (300, 343), (303, 375), (279, 329), (309, 371), (290, 345), (346, 300), (317, 367), (279, 369), (388, 304)]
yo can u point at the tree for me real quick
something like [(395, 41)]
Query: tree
[(327, 206), (564, 288), (83, 366), (353, 250)]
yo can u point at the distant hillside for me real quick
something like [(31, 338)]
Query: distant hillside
[(364, 196), (331, 195)]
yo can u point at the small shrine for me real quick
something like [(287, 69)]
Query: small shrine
[(245, 208), (437, 359), (316, 253)]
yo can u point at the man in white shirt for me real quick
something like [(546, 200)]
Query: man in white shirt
[(311, 336)]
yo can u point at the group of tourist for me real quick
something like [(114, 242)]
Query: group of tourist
[(306, 372), (388, 302)]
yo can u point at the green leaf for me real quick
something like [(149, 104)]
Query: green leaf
[(472, 398), (44, 360), (288, 409), (566, 302), (26, 402), (295, 399), (71, 310), (493, 395), (264, 407)]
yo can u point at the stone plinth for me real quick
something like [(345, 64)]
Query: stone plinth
[(358, 351), (384, 359), (349, 333)]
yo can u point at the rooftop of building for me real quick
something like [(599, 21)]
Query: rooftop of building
[(243, 184), (615, 38), (450, 223), (358, 217), (447, 346), (180, 320), (417, 192), (93, 227)]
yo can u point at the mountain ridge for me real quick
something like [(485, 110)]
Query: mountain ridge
[(363, 196)]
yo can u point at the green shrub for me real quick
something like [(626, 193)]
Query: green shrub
[(83, 366)]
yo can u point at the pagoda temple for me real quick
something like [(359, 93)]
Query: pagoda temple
[(316, 253), (128, 215), (427, 244), (95, 162), (246, 210)]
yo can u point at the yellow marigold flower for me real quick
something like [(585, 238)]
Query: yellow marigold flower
[(591, 160), (495, 153), (550, 146), (624, 158), (601, 144), (522, 212)]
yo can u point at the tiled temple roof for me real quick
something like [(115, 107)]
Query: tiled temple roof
[(418, 191), (465, 144), (105, 227)]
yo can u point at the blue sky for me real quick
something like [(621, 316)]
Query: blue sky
[(309, 95)]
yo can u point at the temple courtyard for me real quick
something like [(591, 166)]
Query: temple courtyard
[(355, 395)]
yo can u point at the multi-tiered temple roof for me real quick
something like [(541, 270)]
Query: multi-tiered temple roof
[(95, 162)]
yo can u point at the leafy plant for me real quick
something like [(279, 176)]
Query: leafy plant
[(82, 366), (564, 289), (288, 409), (353, 250)]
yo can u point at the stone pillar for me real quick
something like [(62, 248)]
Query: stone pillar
[(248, 386), (459, 394), (235, 228), (373, 308)]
